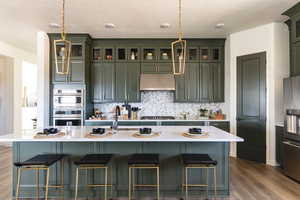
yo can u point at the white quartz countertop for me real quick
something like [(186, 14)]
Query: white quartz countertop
[(155, 120), (167, 134)]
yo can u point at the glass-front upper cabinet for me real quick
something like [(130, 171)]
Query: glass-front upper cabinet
[(109, 54), (296, 28), (121, 54), (204, 54), (76, 51), (133, 54), (149, 54), (210, 54), (97, 54), (165, 54), (192, 54)]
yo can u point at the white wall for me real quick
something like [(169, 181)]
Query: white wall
[(6, 95), (18, 56), (43, 79), (273, 39)]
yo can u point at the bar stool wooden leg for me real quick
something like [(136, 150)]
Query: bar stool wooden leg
[(62, 177), (105, 187), (76, 184), (18, 183), (37, 183), (129, 184), (215, 181), (47, 184), (186, 183), (158, 183), (207, 181)]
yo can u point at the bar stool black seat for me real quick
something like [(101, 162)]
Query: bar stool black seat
[(143, 161), (204, 159), (197, 161), (94, 161), (41, 162)]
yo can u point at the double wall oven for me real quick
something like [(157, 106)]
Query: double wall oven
[(68, 107)]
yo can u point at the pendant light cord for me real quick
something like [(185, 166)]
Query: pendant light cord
[(63, 35), (180, 33)]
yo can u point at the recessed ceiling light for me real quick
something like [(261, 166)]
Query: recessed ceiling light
[(220, 25), (165, 25), (54, 25), (109, 25)]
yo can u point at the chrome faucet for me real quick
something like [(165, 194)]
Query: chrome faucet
[(116, 119)]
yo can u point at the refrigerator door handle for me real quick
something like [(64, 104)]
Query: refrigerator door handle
[(290, 144)]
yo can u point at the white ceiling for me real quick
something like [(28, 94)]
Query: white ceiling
[(21, 19)]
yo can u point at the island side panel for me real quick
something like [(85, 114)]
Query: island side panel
[(170, 171)]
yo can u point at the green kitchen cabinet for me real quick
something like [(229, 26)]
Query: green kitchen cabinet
[(180, 91), (103, 80), (157, 68), (218, 82), (76, 73), (206, 78), (192, 82), (127, 82), (294, 29)]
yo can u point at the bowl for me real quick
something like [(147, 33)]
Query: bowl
[(145, 131), (195, 131), (99, 131), (48, 131)]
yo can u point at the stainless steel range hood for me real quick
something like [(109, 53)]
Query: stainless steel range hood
[(157, 82)]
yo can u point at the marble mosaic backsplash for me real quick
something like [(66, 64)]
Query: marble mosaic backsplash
[(161, 103)]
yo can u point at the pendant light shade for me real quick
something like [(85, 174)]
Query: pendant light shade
[(179, 56), (179, 49), (62, 48)]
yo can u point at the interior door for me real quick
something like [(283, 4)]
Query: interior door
[(251, 107)]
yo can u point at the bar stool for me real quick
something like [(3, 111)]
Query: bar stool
[(41, 162), (197, 161), (94, 161), (142, 161)]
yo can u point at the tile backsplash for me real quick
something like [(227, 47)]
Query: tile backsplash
[(161, 103)]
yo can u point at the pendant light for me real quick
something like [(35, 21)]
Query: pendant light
[(179, 49), (62, 48)]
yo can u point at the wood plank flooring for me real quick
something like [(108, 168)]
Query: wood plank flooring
[(249, 181)]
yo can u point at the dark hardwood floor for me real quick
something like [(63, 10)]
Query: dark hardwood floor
[(249, 181)]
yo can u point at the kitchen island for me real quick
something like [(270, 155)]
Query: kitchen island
[(169, 144)]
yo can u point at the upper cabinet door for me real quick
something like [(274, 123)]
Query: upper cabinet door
[(206, 82), (149, 54), (77, 72), (133, 82), (133, 54), (180, 92), (58, 78), (103, 80), (122, 54), (296, 28), (295, 61), (218, 82), (97, 54), (192, 54), (108, 54), (165, 54), (210, 54), (121, 77), (97, 82), (192, 82)]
